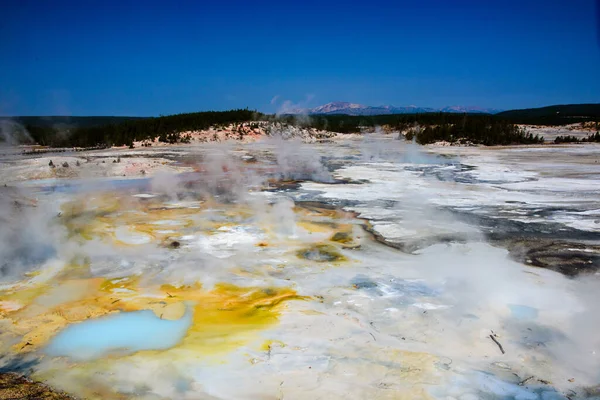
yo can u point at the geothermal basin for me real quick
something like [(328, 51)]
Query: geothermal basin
[(364, 268)]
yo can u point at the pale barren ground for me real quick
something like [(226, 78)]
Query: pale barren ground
[(320, 267), (579, 130)]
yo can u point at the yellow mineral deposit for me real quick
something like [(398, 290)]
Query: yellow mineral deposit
[(226, 317), (223, 317), (220, 315)]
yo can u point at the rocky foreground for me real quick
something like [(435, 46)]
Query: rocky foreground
[(15, 386)]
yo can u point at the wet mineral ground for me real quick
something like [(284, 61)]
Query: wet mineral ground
[(362, 268)]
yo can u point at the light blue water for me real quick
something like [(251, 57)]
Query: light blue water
[(122, 333), (522, 312)]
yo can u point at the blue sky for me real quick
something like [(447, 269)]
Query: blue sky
[(157, 57)]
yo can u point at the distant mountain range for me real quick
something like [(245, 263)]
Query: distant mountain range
[(342, 107)]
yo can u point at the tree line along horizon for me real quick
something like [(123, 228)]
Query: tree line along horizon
[(424, 128)]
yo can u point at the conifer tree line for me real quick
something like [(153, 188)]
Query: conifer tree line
[(572, 139), (424, 128)]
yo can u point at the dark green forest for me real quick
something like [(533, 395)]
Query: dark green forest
[(166, 128), (475, 128), (553, 115), (486, 129), (353, 124), (476, 131), (432, 127), (572, 139)]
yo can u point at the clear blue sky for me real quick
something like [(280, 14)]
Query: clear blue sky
[(159, 57)]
